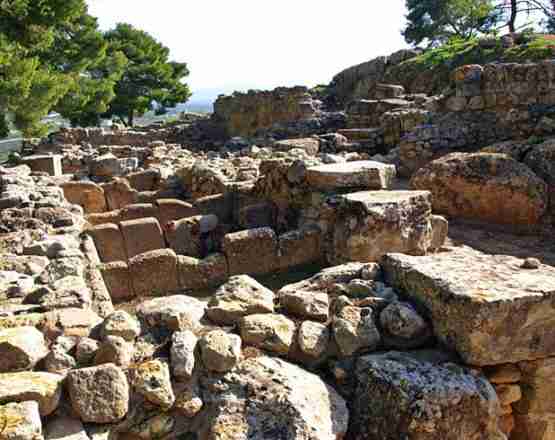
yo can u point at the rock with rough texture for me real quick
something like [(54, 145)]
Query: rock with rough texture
[(370, 224), (20, 421), (407, 396), (21, 348), (507, 310), (174, 312), (99, 394), (65, 428), (306, 304), (313, 338), (240, 296), (154, 273), (121, 323), (183, 354), (360, 174), (44, 388), (114, 350), (220, 351), (484, 186), (354, 329), (152, 380), (270, 332), (403, 326), (267, 398)]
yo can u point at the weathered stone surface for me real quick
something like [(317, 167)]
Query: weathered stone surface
[(306, 304), (313, 338), (89, 195), (109, 243), (187, 236), (117, 279), (372, 223), (403, 326), (253, 251), (202, 273), (50, 164), (289, 403), (538, 394), (154, 273), (172, 209), (240, 296), (99, 394), (309, 145), (270, 332), (142, 235), (301, 246), (220, 351), (362, 175), (484, 186), (422, 399), (183, 354), (152, 380), (178, 312), (507, 310), (20, 421), (121, 323), (114, 350), (119, 194), (44, 388), (21, 348), (65, 428), (354, 329)]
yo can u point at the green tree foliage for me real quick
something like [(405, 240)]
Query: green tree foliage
[(149, 76), (46, 47), (436, 21)]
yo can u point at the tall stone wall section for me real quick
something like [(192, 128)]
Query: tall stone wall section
[(243, 114), (487, 104)]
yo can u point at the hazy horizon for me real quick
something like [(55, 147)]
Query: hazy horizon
[(258, 45)]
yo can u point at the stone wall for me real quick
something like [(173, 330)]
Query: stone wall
[(243, 114), (487, 104)]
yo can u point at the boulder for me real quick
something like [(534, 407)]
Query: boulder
[(20, 421), (271, 332), (99, 394), (506, 308), (65, 428), (183, 354), (356, 175), (120, 323), (305, 304), (220, 351), (415, 396), (178, 312), (310, 145), (114, 350), (240, 296), (354, 329), (44, 388), (89, 195), (152, 380), (484, 186), (266, 398), (21, 348), (313, 338)]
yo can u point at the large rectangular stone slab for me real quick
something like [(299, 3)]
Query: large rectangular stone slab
[(51, 164), (370, 224), (253, 251), (363, 174), (486, 307)]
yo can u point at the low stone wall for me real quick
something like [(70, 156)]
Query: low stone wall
[(243, 114), (103, 136)]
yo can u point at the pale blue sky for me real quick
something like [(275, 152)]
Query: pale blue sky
[(238, 44)]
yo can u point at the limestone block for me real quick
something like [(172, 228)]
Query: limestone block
[(117, 278), (370, 224), (202, 273), (141, 235), (357, 175), (154, 273), (51, 165), (506, 308), (253, 251), (109, 243)]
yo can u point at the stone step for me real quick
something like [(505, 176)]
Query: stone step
[(363, 174)]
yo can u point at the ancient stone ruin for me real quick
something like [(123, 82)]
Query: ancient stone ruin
[(288, 270)]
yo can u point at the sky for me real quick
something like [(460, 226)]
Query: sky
[(260, 44)]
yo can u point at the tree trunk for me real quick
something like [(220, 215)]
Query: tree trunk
[(132, 117), (512, 18)]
